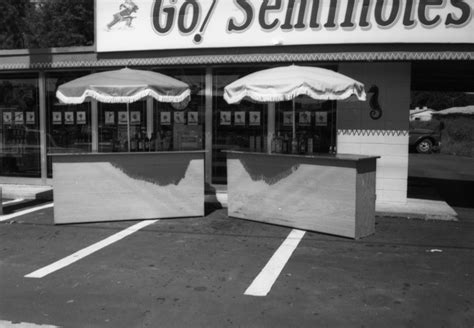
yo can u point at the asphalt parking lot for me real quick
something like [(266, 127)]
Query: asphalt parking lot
[(195, 272)]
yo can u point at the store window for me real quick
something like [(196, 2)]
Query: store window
[(115, 128), (315, 127), (235, 127), (181, 126), (156, 126), (20, 149), (68, 128)]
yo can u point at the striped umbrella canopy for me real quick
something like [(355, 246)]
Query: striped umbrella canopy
[(285, 83), (288, 82), (123, 86)]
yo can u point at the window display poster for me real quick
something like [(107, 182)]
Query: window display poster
[(81, 117), (7, 117), (68, 118), (165, 118), (135, 117), (304, 118), (239, 118), (179, 118), (254, 118), (109, 117), (287, 118), (225, 118), (19, 118), (57, 118), (30, 117), (122, 118), (193, 118), (321, 118)]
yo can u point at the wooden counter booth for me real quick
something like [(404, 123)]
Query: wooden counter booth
[(124, 186), (329, 194)]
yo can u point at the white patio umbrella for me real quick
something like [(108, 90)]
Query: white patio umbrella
[(288, 82), (123, 86)]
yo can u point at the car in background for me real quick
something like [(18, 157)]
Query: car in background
[(424, 140)]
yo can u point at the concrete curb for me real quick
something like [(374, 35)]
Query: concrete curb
[(414, 208), (12, 191)]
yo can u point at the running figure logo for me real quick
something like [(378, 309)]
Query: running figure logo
[(126, 9)]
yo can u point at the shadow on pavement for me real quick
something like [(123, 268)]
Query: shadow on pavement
[(23, 205), (456, 193)]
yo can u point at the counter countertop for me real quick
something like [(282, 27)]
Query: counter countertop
[(336, 157), (129, 153)]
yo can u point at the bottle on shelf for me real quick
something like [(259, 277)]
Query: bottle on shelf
[(273, 144), (147, 143), (277, 143), (302, 144), (167, 141), (294, 145), (258, 144), (158, 141), (286, 142), (310, 145), (151, 142), (140, 142), (134, 143)]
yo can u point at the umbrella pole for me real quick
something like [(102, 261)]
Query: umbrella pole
[(294, 120), (128, 126), (294, 143)]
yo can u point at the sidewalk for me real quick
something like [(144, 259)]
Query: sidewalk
[(13, 191), (414, 208)]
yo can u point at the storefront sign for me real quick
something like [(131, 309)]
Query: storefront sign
[(239, 118), (30, 117), (165, 118), (135, 117), (122, 118), (184, 24), (68, 117), (57, 118), (254, 118), (321, 118), (225, 118), (19, 118), (193, 118), (179, 117), (110, 117), (7, 117), (81, 118), (305, 118), (287, 118)]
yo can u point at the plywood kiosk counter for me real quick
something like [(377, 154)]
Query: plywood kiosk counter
[(95, 187), (329, 194)]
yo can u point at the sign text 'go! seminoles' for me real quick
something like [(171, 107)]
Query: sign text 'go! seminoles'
[(172, 24)]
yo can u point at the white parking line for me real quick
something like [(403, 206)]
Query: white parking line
[(13, 201), (40, 273), (27, 211), (266, 278)]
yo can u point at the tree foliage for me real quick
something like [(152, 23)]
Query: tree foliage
[(46, 23), (12, 13), (439, 100)]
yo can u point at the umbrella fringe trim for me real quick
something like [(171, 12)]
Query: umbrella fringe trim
[(303, 90), (126, 99)]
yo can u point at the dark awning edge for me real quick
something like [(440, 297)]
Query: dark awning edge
[(90, 60)]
